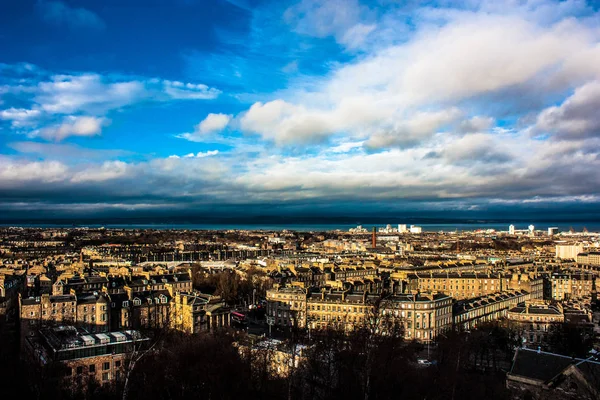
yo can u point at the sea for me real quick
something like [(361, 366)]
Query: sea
[(426, 227)]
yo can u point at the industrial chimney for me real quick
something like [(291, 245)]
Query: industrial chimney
[(374, 238)]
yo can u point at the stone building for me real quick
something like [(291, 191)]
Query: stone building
[(197, 312), (566, 286), (423, 315), (460, 285), (84, 357), (469, 313), (535, 319), (538, 375)]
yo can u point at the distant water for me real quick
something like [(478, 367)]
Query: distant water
[(448, 227)]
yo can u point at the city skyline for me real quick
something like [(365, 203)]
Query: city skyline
[(306, 109)]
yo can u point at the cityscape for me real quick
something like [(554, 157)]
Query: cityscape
[(299, 199), (92, 311)]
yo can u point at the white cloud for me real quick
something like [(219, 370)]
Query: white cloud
[(342, 19), (213, 123), (472, 61), (14, 172), (182, 91), (208, 153), (200, 154), (108, 171), (67, 94), (19, 116), (577, 117), (74, 126), (413, 131)]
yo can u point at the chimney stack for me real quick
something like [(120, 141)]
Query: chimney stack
[(374, 238)]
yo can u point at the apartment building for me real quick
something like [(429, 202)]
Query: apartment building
[(591, 258), (459, 285), (83, 356), (423, 315), (565, 286), (467, 314), (286, 306), (197, 312), (535, 319)]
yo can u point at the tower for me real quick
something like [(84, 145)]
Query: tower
[(374, 238)]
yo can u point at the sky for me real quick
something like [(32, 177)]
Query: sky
[(299, 108)]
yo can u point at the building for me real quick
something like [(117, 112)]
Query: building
[(535, 319), (279, 357), (286, 306), (424, 316), (552, 231), (565, 286), (37, 312), (590, 258), (402, 228), (10, 287), (84, 357), (539, 375), (459, 285), (568, 251), (467, 314), (511, 229), (415, 229), (197, 312)]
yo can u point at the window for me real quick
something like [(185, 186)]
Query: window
[(118, 363), (106, 366), (79, 370), (105, 376), (92, 368)]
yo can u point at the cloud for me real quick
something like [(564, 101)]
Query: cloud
[(338, 18), (201, 154), (475, 60), (476, 124), (66, 94), (179, 90), (108, 171), (74, 126), (49, 97), (418, 128), (209, 153), (213, 123), (16, 173), (65, 151), (576, 118), (207, 128), (59, 13), (19, 117), (478, 147)]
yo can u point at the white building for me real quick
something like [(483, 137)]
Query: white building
[(531, 230), (552, 231), (402, 228), (568, 251), (415, 229), (511, 229)]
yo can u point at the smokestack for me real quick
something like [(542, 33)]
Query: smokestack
[(374, 238)]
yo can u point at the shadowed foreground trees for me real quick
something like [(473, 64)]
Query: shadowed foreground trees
[(357, 365)]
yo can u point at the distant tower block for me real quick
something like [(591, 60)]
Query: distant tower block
[(374, 238), (511, 229)]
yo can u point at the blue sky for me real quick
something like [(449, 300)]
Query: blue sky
[(195, 107)]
